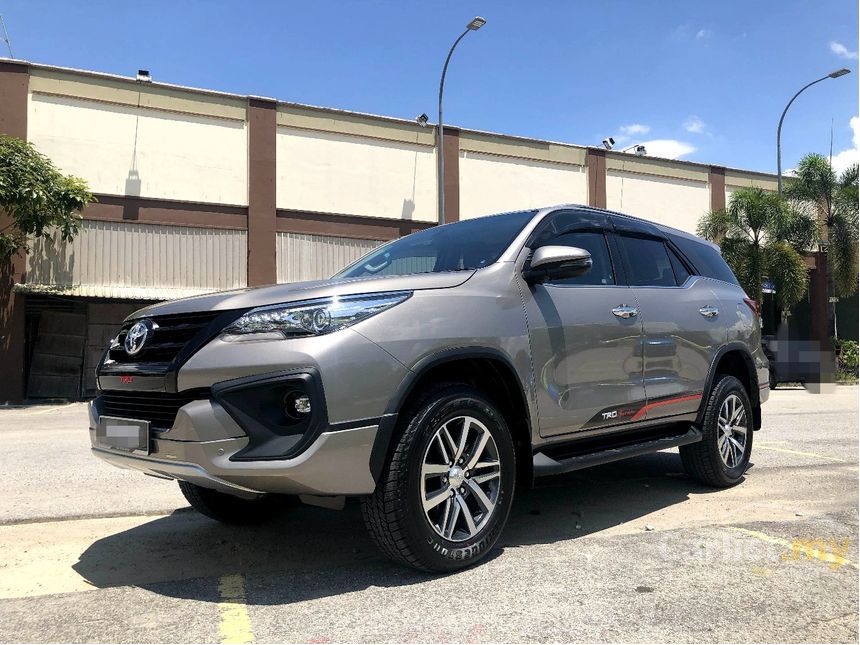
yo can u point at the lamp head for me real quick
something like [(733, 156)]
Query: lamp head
[(608, 142), (839, 72), (476, 24), (422, 119)]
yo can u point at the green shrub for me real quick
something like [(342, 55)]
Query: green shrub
[(847, 357)]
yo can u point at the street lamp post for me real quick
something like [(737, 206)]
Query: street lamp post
[(836, 74), (476, 23)]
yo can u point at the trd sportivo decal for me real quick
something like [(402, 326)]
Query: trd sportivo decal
[(637, 411)]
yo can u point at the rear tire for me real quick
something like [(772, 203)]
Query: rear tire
[(722, 456), (227, 508), (445, 493)]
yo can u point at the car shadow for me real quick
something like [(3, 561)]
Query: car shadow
[(314, 552)]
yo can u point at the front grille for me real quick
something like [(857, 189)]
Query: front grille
[(159, 408), (170, 334)]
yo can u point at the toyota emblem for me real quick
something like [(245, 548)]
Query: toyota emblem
[(136, 337)]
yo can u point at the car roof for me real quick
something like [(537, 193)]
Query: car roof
[(670, 230)]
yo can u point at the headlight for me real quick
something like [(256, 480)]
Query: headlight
[(309, 318)]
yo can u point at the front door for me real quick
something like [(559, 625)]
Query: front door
[(585, 334)]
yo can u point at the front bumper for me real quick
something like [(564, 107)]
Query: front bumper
[(199, 446)]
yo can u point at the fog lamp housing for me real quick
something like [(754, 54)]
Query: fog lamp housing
[(282, 413)]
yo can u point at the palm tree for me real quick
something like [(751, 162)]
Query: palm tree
[(757, 234), (832, 200)]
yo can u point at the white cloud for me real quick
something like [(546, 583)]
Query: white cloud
[(668, 148), (695, 125), (687, 32), (845, 159), (634, 128), (842, 51), (851, 156)]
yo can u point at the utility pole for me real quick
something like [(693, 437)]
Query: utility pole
[(6, 37)]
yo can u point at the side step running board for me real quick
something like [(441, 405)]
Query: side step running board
[(544, 465)]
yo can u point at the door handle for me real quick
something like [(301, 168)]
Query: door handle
[(709, 311), (625, 311)]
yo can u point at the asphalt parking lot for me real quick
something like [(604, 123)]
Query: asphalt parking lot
[(632, 551)]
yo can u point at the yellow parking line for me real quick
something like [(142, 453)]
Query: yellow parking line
[(810, 549), (235, 624), (796, 452), (45, 411), (760, 536)]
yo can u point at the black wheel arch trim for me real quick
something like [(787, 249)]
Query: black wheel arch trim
[(388, 423), (734, 346)]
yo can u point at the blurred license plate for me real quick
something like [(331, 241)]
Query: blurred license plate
[(124, 434)]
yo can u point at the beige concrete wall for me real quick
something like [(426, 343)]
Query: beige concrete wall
[(494, 184), (125, 150), (666, 200), (144, 261), (521, 148), (317, 257), (368, 126), (333, 172), (729, 191), (107, 88), (739, 179)]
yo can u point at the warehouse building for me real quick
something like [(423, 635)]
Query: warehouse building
[(200, 190)]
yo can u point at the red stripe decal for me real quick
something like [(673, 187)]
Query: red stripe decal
[(656, 404)]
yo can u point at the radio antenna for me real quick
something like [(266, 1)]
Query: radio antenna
[(6, 37)]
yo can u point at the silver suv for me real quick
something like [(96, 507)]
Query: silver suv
[(436, 373)]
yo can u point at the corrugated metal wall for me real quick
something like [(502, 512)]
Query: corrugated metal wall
[(141, 261), (315, 257)]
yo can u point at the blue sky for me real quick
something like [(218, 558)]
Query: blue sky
[(700, 81)]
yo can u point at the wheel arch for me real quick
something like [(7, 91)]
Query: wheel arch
[(498, 380), (735, 360)]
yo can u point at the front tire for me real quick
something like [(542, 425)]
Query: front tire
[(226, 508), (721, 458), (447, 489)]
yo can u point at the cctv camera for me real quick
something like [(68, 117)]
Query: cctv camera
[(608, 142), (422, 120)]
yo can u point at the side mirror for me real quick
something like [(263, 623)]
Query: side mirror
[(557, 263)]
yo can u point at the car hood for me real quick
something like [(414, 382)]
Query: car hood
[(292, 292)]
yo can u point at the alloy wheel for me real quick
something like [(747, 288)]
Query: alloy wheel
[(732, 428), (460, 477)]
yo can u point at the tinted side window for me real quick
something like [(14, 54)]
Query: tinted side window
[(648, 262), (595, 243), (706, 259), (681, 273)]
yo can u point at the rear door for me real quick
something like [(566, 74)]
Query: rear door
[(587, 360), (683, 325)]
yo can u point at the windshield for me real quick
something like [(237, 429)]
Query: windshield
[(462, 246)]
